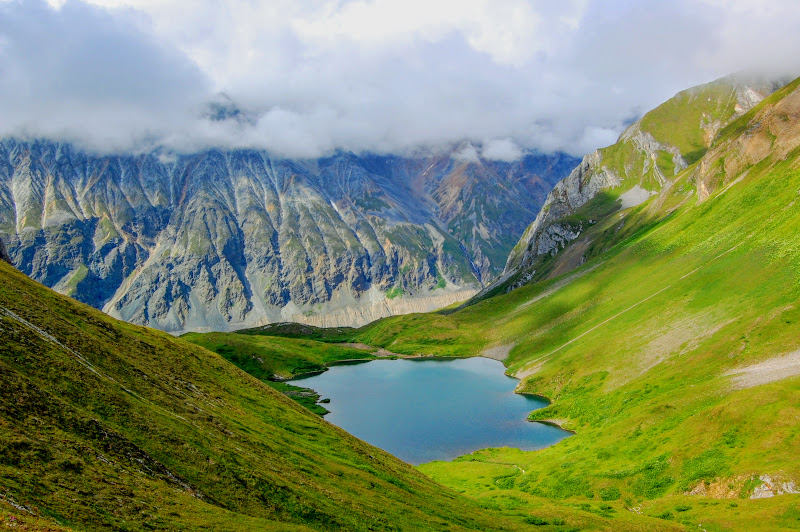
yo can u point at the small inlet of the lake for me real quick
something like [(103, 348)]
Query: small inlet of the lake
[(432, 409)]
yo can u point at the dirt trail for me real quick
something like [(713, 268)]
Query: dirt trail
[(770, 370)]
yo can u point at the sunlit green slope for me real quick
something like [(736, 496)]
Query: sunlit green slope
[(106, 425), (644, 162), (674, 352)]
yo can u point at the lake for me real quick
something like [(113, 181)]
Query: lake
[(431, 409)]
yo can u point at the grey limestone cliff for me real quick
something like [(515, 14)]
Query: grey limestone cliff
[(226, 239), (548, 233)]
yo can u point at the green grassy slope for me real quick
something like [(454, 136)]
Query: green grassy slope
[(270, 357), (646, 159), (273, 359), (640, 348), (106, 425), (688, 120)]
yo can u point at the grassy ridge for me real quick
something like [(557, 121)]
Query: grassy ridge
[(648, 155), (686, 120), (107, 425)]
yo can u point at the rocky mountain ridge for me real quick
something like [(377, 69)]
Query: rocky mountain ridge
[(643, 163), (227, 239)]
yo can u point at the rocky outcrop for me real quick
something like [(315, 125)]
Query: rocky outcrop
[(770, 134), (650, 148), (548, 234), (225, 239), (771, 487)]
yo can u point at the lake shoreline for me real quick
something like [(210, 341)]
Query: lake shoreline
[(552, 423), (348, 387), (396, 356), (393, 356)]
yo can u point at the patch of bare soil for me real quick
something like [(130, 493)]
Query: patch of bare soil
[(571, 257), (771, 370), (635, 196), (499, 352)]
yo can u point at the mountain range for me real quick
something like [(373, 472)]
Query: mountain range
[(224, 239)]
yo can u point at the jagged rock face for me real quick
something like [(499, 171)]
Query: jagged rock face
[(225, 239), (643, 162), (546, 235)]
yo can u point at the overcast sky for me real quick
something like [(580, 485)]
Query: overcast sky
[(496, 77)]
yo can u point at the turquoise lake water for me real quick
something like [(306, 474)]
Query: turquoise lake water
[(431, 409)]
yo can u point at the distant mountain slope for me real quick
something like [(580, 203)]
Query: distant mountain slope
[(643, 163), (221, 239), (110, 426)]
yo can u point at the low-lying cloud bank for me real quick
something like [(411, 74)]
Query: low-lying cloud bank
[(496, 78)]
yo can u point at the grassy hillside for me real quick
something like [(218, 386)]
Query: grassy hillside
[(674, 352), (645, 161), (273, 359), (270, 357), (690, 120), (106, 425)]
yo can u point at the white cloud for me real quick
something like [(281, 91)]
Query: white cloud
[(79, 73), (370, 75), (501, 150), (596, 136), (467, 153)]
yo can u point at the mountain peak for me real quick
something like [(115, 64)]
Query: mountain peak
[(648, 156)]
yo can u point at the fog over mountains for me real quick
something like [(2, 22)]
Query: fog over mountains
[(377, 76)]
